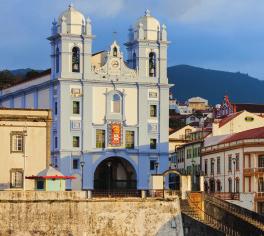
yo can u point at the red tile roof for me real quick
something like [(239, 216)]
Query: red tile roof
[(248, 134), (228, 119)]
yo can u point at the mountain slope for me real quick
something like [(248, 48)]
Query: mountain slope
[(192, 81)]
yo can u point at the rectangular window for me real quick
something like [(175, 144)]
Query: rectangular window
[(205, 167), (212, 166), (55, 108), (218, 165), (75, 164), (55, 142), (76, 141), (100, 138), (17, 142), (76, 107), (16, 178), (237, 161), (230, 163), (189, 153), (153, 111), (130, 139), (152, 165), (261, 162), (153, 143)]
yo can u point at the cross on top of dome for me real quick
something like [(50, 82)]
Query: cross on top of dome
[(71, 5), (147, 12)]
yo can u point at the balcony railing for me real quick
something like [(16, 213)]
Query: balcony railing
[(259, 196), (252, 171), (232, 144)]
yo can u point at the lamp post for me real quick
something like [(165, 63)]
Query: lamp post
[(156, 166), (109, 175), (234, 162), (82, 163)]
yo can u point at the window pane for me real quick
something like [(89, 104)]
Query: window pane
[(153, 111), (17, 143), (100, 138), (75, 163), (153, 143), (116, 104), (130, 139), (76, 141), (16, 179), (76, 107), (152, 165)]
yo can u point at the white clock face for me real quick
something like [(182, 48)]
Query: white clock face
[(115, 63)]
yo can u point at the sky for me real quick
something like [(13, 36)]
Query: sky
[(215, 34)]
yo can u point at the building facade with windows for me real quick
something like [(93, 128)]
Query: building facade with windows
[(235, 164), (110, 115), (24, 145)]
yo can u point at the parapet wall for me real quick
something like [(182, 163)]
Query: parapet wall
[(70, 213)]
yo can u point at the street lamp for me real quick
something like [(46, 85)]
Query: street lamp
[(82, 163), (234, 162), (109, 175), (156, 166)]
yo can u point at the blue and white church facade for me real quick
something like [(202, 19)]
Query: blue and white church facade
[(110, 115)]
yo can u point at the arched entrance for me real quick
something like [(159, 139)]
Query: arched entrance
[(174, 181), (115, 174)]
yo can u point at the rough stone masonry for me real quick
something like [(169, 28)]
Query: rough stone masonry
[(30, 214)]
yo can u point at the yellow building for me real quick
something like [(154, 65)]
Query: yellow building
[(198, 103), (24, 145)]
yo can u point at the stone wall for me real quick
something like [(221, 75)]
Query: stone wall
[(70, 213)]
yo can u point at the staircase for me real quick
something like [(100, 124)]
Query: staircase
[(239, 212), (190, 209)]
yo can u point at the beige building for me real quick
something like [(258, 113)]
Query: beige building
[(235, 163), (180, 137), (237, 122), (24, 145)]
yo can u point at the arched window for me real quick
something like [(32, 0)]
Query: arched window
[(116, 103), (152, 64), (115, 52), (57, 60), (237, 185), (230, 185), (134, 62), (75, 59), (218, 185)]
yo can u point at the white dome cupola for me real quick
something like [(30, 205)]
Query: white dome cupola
[(73, 22), (147, 27)]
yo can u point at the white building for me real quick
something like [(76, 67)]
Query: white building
[(235, 163), (110, 114)]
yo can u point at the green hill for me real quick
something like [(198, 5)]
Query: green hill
[(192, 81)]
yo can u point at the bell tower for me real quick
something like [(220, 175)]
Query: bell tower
[(147, 49), (71, 45)]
